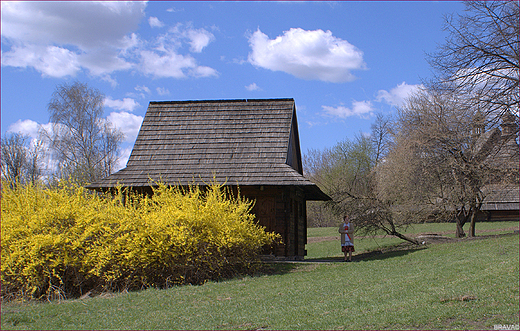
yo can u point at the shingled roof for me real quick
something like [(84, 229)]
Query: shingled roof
[(237, 142), (500, 197)]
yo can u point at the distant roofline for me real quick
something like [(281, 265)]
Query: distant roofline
[(217, 101)]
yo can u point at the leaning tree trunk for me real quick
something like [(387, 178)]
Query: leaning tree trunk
[(393, 232), (402, 236)]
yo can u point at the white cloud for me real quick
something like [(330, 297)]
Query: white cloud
[(50, 61), (155, 22), (315, 55), (162, 58), (141, 92), (103, 61), (27, 127), (142, 89), (128, 123), (84, 24), (127, 104), (203, 71), (162, 91), (362, 109), (199, 39), (253, 87), (171, 64), (58, 39), (174, 10), (129, 43), (398, 95), (109, 79), (167, 65)]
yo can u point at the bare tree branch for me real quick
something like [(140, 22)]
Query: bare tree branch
[(480, 56)]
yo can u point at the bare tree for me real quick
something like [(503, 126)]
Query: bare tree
[(85, 145), (480, 56), (401, 181), (14, 157), (381, 136), (35, 168), (445, 158), (317, 165), (346, 173), (21, 159), (319, 215), (477, 77)]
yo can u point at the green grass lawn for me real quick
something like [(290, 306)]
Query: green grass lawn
[(471, 284), (331, 248)]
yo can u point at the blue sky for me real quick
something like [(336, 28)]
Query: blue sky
[(342, 62)]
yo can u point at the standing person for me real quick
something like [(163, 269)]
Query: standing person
[(347, 238)]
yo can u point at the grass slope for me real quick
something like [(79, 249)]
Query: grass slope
[(325, 242), (472, 284)]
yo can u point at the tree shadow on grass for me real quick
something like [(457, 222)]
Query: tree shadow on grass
[(281, 267), (378, 254), (387, 253)]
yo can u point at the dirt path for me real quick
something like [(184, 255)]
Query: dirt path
[(311, 240)]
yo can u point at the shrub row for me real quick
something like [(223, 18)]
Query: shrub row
[(67, 240)]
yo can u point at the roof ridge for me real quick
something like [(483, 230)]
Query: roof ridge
[(219, 100)]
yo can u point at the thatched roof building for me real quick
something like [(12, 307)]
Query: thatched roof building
[(253, 144)]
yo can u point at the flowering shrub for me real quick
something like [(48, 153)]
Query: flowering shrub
[(68, 240)]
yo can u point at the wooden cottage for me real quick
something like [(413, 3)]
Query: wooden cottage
[(501, 203), (498, 149), (252, 144)]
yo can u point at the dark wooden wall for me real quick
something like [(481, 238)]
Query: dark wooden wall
[(281, 209), (498, 215)]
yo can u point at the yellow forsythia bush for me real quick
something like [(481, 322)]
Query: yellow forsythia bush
[(68, 240)]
